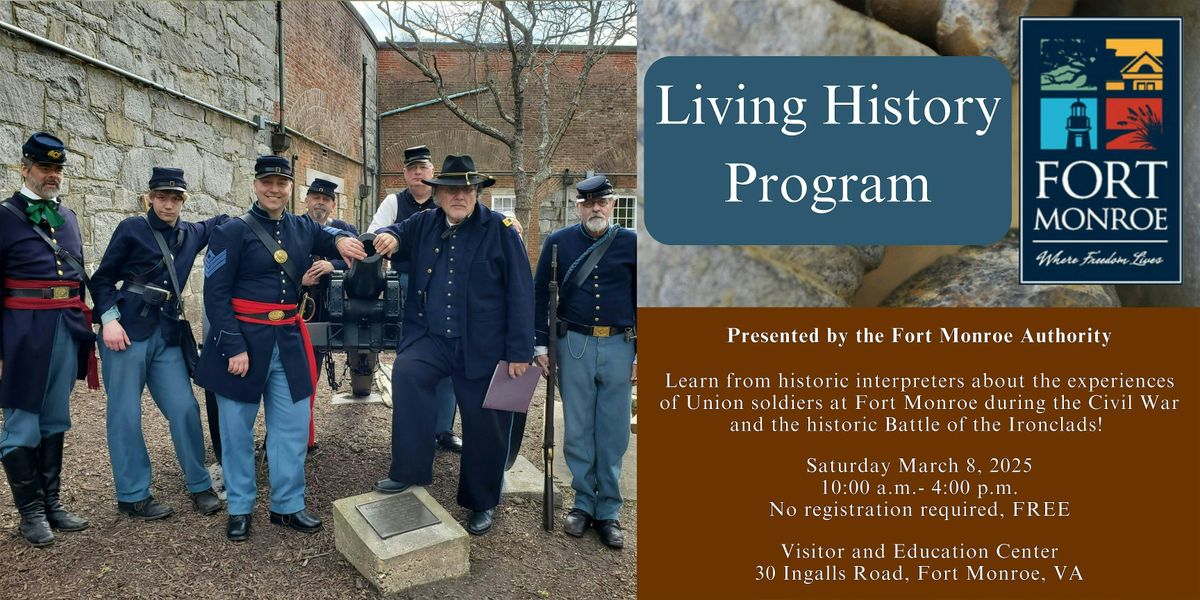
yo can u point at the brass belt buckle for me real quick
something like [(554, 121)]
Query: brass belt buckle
[(60, 292), (275, 315), (602, 331)]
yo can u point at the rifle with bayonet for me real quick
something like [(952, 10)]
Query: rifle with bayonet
[(551, 383)]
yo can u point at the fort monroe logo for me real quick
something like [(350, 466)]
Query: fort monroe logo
[(1101, 180)]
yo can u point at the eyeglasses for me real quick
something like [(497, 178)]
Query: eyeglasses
[(601, 202)]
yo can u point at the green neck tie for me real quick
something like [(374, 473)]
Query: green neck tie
[(44, 209)]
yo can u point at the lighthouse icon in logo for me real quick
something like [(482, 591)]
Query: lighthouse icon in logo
[(1079, 127)]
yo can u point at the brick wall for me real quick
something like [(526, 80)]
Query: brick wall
[(223, 53), (324, 46), (601, 138)]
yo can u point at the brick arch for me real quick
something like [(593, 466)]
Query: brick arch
[(488, 154), (614, 159), (311, 113)]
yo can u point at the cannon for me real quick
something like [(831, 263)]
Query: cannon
[(363, 306)]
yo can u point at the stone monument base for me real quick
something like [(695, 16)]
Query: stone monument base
[(350, 398), (425, 555)]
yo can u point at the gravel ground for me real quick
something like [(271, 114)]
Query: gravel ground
[(187, 554)]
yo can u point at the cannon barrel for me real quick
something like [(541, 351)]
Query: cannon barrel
[(367, 278)]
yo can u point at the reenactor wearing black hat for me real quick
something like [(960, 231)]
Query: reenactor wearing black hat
[(395, 208), (257, 349), (320, 202), (596, 334), (45, 338), (469, 305), (141, 331)]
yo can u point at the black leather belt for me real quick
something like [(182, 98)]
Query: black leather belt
[(593, 330), (60, 292), (137, 288)]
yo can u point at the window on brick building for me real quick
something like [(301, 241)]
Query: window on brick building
[(625, 212), (504, 204)]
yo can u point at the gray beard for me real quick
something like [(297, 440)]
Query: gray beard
[(596, 225)]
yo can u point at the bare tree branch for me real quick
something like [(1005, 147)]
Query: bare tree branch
[(530, 36)]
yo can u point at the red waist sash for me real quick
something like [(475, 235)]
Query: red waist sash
[(242, 308), (93, 370)]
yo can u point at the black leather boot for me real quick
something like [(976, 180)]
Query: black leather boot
[(50, 462), (20, 465)]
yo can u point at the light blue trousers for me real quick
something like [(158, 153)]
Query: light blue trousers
[(596, 391), (287, 445), (24, 429), (150, 362)]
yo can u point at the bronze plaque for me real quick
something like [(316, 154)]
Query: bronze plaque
[(397, 514)]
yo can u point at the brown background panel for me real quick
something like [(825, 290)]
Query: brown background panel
[(1132, 487)]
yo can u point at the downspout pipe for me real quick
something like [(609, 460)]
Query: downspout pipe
[(279, 46), (279, 140), (364, 189), (378, 158)]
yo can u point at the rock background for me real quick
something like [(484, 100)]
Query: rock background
[(907, 275), (984, 276), (1187, 294), (756, 276)]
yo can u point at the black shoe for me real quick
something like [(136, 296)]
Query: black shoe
[(20, 464), (206, 502), (577, 522), (145, 510), (300, 521), (610, 533), (238, 528), (388, 486), (50, 456), (480, 521), (449, 441)]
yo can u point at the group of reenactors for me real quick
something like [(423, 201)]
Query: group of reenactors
[(471, 302)]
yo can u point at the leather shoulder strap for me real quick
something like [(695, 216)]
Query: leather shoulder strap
[(170, 260), (59, 251), (596, 253), (273, 248)]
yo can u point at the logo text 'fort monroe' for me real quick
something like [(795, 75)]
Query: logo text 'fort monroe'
[(1100, 151)]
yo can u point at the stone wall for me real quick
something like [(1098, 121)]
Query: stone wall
[(223, 53), (115, 128)]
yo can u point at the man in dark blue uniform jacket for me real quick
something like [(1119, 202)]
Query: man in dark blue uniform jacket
[(257, 348), (597, 356), (45, 338), (469, 305), (141, 332), (321, 201), (395, 208)]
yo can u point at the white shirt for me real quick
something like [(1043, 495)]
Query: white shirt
[(28, 193), (386, 214)]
